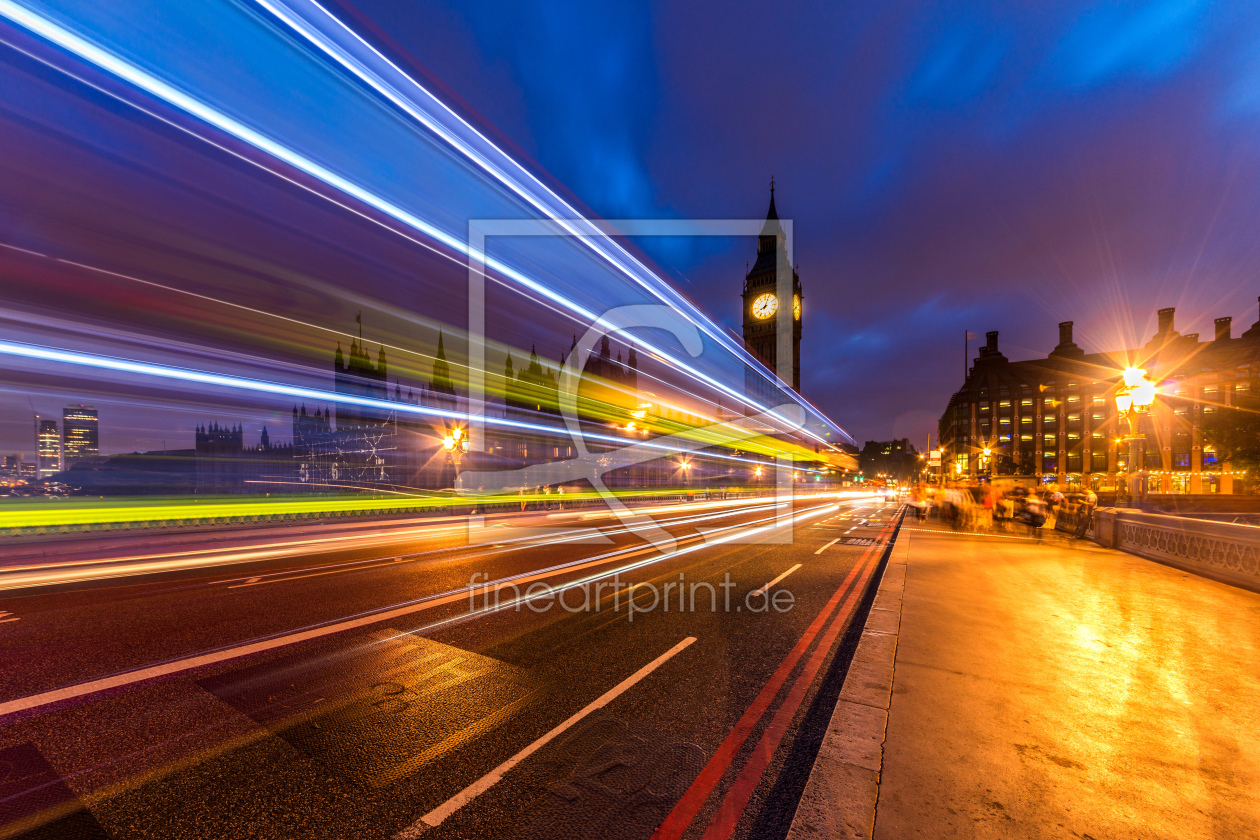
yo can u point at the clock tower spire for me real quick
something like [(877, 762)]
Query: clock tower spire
[(763, 311)]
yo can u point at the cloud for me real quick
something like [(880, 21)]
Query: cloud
[(1144, 39)]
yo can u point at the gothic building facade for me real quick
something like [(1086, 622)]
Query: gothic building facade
[(764, 312)]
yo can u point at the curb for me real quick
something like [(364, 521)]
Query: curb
[(839, 799)]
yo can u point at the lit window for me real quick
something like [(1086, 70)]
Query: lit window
[(1026, 403)]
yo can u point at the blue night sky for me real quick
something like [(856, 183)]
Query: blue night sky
[(983, 166), (988, 166)]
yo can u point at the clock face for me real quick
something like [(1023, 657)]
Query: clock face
[(796, 307), (765, 306)]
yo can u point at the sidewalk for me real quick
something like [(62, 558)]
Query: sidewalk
[(1051, 689)]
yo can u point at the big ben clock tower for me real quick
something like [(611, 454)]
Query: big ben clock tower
[(763, 310)]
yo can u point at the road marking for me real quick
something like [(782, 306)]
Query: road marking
[(828, 545), (854, 528), (3, 619), (689, 805), (763, 590), (256, 582), (459, 800), (189, 663), (741, 790)]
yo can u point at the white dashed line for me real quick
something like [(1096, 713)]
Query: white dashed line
[(763, 590), (459, 800)]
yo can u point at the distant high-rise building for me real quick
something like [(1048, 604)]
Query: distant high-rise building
[(49, 448), (80, 435)]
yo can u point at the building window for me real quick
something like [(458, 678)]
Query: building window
[(1024, 421), (1049, 464), (1181, 459), (1098, 462), (1074, 398), (1025, 403), (1073, 436), (1098, 415), (1048, 440), (1025, 437), (1100, 400), (1209, 458)]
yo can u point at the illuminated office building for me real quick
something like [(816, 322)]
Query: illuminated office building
[(49, 441), (80, 435)]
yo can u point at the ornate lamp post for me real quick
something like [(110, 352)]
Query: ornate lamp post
[(456, 445), (1133, 399)]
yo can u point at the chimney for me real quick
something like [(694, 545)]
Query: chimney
[(991, 345), (1166, 320), (1222, 328), (1065, 332)]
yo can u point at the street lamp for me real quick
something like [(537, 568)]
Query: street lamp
[(456, 445), (1133, 399)]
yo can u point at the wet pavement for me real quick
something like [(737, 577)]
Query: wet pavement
[(1057, 689)]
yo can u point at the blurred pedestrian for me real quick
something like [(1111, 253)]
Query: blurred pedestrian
[(1085, 515), (1035, 513)]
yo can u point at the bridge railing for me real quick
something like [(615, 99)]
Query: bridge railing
[(1222, 551)]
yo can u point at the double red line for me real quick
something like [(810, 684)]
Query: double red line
[(736, 799)]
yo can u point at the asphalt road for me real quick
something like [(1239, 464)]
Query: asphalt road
[(348, 682)]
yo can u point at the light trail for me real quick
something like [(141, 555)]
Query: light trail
[(50, 354), (377, 615), (106, 568), (51, 31)]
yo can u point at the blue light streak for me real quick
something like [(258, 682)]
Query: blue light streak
[(335, 40), (52, 354)]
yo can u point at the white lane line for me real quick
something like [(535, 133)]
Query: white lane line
[(176, 666), (3, 619), (459, 800), (189, 663), (763, 590), (828, 545), (851, 530), (256, 582)]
